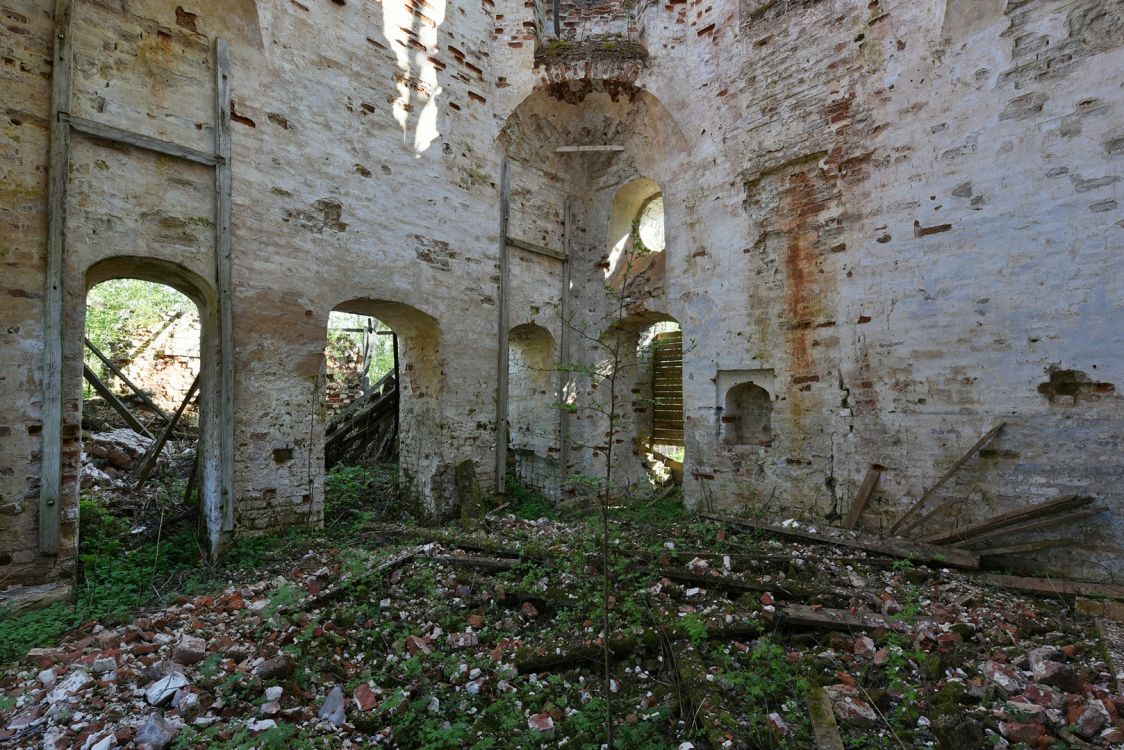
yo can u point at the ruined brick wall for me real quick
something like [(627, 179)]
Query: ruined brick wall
[(903, 220), (333, 104), (900, 219), (25, 68), (165, 363)]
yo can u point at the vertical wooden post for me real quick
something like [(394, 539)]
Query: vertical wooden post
[(224, 283), (504, 329), (50, 478), (397, 386), (564, 350)]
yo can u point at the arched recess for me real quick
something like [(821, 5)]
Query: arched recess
[(647, 438), (533, 418), (202, 293), (747, 416), (419, 392), (637, 207)]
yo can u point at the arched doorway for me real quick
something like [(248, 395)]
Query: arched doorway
[(169, 380), (402, 401)]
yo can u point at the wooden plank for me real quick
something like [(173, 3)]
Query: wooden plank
[(824, 729), (920, 524), (947, 475), (1018, 549), (667, 388), (142, 395), (896, 547), (224, 277), (587, 149), (50, 467), (148, 462), (139, 140), (866, 489), (1052, 586), (1050, 507), (110, 397), (502, 334), (531, 247), (803, 615), (1052, 522)]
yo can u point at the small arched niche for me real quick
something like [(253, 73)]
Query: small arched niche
[(532, 414), (748, 416)]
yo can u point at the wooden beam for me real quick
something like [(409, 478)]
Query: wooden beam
[(193, 477), (1018, 549), (564, 350), (896, 547), (1048, 508), (531, 247), (502, 334), (148, 462), (1052, 586), (58, 171), (110, 397), (824, 729), (139, 140), (870, 481), (124, 379), (920, 524), (223, 275), (586, 149), (803, 615), (947, 475), (1054, 521)]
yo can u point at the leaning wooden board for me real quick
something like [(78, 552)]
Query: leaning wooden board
[(894, 546)]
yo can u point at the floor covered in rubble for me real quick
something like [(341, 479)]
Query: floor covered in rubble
[(723, 636)]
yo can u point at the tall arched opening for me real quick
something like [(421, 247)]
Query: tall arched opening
[(397, 415), (171, 392)]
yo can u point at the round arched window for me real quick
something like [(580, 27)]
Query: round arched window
[(650, 223)]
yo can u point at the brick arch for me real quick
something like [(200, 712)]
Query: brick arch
[(211, 412)]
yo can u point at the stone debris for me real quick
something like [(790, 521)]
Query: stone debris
[(976, 666), (156, 733), (333, 709)]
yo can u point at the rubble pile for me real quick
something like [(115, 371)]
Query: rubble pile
[(720, 638), (108, 458)]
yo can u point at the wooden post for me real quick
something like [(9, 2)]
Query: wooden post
[(50, 478), (860, 501), (397, 385), (224, 283), (111, 399), (564, 350), (502, 337)]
